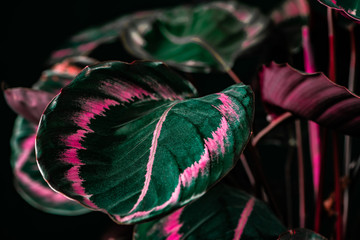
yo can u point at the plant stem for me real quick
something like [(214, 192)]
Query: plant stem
[(348, 141), (313, 128), (300, 173), (282, 118), (251, 153), (319, 200), (332, 76), (218, 58), (337, 187)]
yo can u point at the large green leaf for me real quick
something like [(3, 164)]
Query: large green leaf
[(30, 104), (223, 213), (196, 38), (126, 140), (350, 8)]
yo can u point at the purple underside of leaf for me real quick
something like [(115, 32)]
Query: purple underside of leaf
[(310, 96), (28, 103)]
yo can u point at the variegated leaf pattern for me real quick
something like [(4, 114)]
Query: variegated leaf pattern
[(223, 213), (28, 180), (126, 139), (196, 38), (310, 96)]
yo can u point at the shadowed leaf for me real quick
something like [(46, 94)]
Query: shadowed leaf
[(310, 96), (126, 139), (196, 38), (222, 213)]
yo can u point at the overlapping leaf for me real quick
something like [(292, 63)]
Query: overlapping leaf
[(222, 213), (350, 8), (29, 104), (126, 140), (194, 38), (310, 96)]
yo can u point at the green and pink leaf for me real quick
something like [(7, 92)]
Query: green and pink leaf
[(135, 145), (226, 213)]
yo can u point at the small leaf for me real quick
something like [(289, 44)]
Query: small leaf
[(310, 96), (28, 103), (126, 140), (300, 234), (222, 213), (196, 38), (349, 8)]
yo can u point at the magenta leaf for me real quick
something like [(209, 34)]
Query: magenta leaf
[(310, 96), (27, 102)]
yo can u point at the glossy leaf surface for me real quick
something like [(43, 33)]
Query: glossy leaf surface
[(28, 180), (222, 213), (196, 38), (350, 8), (310, 96), (126, 140)]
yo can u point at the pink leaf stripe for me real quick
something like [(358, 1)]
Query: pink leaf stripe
[(212, 148), (173, 225), (153, 148), (34, 186), (91, 109), (244, 218)]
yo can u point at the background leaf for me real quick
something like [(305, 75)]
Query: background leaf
[(182, 36), (123, 139), (28, 180), (350, 8), (222, 213), (310, 96), (27, 102)]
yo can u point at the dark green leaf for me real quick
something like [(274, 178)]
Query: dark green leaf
[(126, 140), (222, 213), (196, 38)]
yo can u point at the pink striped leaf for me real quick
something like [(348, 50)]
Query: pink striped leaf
[(310, 96), (28, 181), (223, 213), (130, 140)]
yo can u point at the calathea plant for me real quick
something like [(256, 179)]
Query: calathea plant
[(177, 143)]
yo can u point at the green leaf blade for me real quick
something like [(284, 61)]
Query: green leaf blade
[(222, 213), (196, 38), (135, 145)]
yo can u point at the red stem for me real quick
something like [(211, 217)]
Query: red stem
[(319, 200), (332, 76), (337, 187)]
